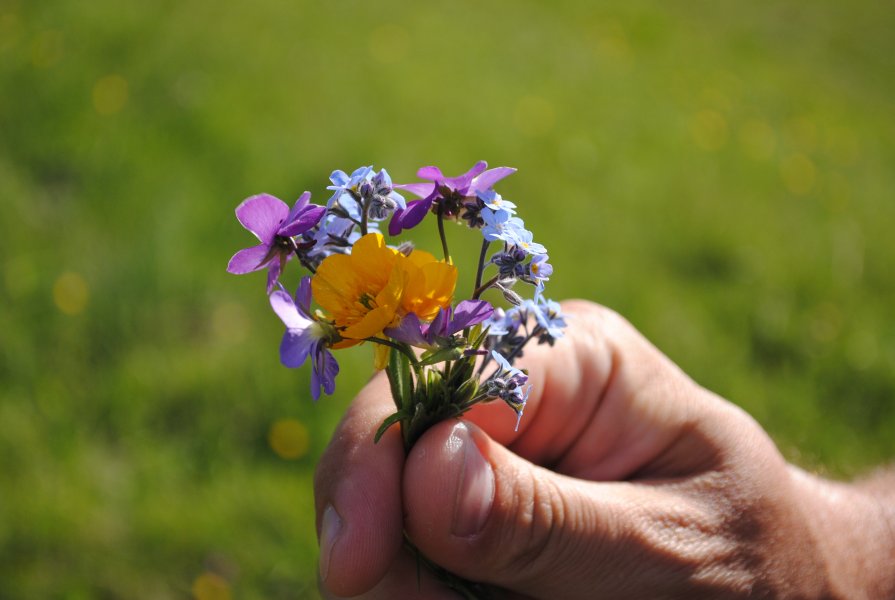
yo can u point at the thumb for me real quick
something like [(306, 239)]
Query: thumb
[(486, 514)]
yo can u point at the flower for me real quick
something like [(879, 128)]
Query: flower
[(380, 196), (446, 323), (539, 270), (501, 225), (375, 286), (549, 317), (346, 191), (506, 383), (452, 193), (495, 201), (272, 222), (306, 337)]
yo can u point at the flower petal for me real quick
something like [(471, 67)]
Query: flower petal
[(462, 181), (304, 220), (468, 313), (423, 190), (372, 323), (490, 177), (295, 347), (430, 173), (262, 215), (248, 260), (286, 309)]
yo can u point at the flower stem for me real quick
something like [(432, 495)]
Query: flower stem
[(444, 244), (480, 290), (403, 348), (481, 269)]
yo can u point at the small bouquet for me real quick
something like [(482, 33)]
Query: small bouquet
[(437, 354)]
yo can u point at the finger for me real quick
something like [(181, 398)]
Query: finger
[(486, 514), (357, 494), (405, 579), (604, 402)]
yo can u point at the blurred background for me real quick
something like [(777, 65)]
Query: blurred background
[(720, 173)]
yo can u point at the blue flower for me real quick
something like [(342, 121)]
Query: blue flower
[(305, 337), (501, 225), (495, 201), (380, 196), (539, 270), (346, 190), (523, 239), (549, 317), (507, 383)]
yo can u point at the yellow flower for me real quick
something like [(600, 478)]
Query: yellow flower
[(375, 286)]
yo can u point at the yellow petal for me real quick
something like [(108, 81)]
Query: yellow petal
[(380, 356), (371, 324)]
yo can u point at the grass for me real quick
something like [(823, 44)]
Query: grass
[(719, 173)]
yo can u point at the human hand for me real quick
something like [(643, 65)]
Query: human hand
[(625, 480)]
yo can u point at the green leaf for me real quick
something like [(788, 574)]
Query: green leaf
[(389, 421), (436, 356)]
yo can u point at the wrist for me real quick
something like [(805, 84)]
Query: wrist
[(852, 526)]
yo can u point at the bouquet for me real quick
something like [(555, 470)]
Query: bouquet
[(441, 356)]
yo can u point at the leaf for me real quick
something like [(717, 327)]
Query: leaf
[(389, 421), (436, 356)]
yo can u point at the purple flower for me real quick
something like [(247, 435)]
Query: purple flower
[(446, 323), (452, 193), (305, 337), (272, 222), (507, 383)]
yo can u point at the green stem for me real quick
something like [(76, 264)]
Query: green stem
[(403, 348), (444, 244), (481, 269), (479, 290)]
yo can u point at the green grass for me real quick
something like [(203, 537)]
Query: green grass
[(720, 173)]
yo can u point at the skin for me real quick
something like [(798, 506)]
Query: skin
[(625, 480)]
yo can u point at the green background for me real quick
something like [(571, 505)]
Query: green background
[(718, 172)]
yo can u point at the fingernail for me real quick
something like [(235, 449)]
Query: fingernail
[(476, 492), (329, 532)]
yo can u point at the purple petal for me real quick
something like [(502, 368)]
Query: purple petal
[(468, 313), (307, 218), (303, 297), (286, 309), (439, 325), (490, 177), (248, 260), (273, 272), (416, 211), (422, 190), (324, 372), (430, 173), (408, 331), (295, 347), (462, 182), (298, 206), (262, 215), (394, 226)]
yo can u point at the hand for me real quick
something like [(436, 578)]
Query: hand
[(625, 480)]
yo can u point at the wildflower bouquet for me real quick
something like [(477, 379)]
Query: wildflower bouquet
[(400, 299)]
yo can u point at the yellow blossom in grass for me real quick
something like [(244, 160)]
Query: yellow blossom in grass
[(375, 286)]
